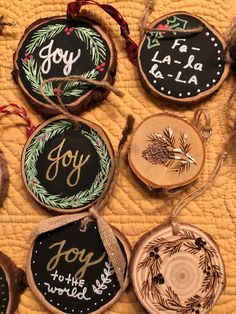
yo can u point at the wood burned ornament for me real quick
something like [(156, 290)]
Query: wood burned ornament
[(166, 151), (53, 48), (177, 274), (182, 66), (4, 178), (12, 284), (66, 168), (70, 272)]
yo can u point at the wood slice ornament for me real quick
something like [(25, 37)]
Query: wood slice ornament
[(181, 273), (182, 58), (167, 151), (53, 47), (12, 284), (4, 178), (66, 168), (69, 270)]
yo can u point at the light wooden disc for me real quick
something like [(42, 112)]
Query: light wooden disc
[(177, 274), (64, 168), (183, 66), (166, 151), (4, 178)]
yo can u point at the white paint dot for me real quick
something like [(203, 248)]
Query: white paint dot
[(218, 73), (219, 58), (113, 286), (33, 262), (215, 44), (207, 85), (162, 88), (81, 311), (169, 92), (218, 51), (198, 90), (212, 39), (39, 284), (220, 65), (88, 309), (51, 301), (109, 294), (188, 93), (207, 34), (180, 95), (102, 300), (154, 81), (40, 243), (65, 308), (95, 303), (58, 304), (45, 293), (36, 251), (213, 81)]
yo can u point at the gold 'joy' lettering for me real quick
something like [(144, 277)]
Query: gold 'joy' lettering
[(72, 255), (66, 160)]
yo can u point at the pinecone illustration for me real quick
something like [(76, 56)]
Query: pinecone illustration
[(157, 153)]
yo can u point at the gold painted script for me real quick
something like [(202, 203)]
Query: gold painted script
[(72, 255), (66, 159)]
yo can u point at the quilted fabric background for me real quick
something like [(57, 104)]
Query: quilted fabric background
[(133, 208)]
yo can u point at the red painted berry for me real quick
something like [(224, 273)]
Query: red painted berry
[(98, 67), (66, 29), (25, 59), (71, 29), (103, 64), (68, 33), (55, 90), (102, 69), (26, 54), (31, 56)]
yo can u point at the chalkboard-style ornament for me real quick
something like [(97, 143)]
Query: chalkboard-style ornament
[(182, 58), (4, 178), (167, 151), (66, 168), (69, 270), (53, 47), (12, 284), (181, 273)]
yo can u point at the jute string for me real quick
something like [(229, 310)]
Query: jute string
[(73, 78), (214, 175), (149, 7), (105, 230)]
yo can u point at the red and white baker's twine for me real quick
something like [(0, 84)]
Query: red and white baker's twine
[(21, 112)]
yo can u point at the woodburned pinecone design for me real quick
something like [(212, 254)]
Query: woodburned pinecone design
[(162, 151)]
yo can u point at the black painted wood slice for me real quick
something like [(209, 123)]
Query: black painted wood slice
[(53, 48), (12, 284), (70, 272), (4, 178), (66, 169), (182, 66), (167, 151), (180, 274)]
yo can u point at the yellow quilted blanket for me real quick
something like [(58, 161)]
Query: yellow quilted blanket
[(133, 209)]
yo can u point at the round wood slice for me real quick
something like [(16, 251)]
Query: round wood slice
[(177, 274), (4, 178), (69, 270), (53, 48), (166, 151), (12, 284), (66, 169), (183, 67)]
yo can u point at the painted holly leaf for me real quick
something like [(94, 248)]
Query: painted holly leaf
[(176, 23), (153, 39)]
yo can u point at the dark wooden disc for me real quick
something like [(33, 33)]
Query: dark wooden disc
[(52, 48), (4, 178), (177, 274), (183, 67), (12, 284), (166, 151), (66, 169), (68, 286)]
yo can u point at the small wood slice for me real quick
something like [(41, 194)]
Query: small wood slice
[(4, 178), (65, 168), (183, 67), (53, 48), (12, 284), (70, 272), (183, 273), (166, 151)]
